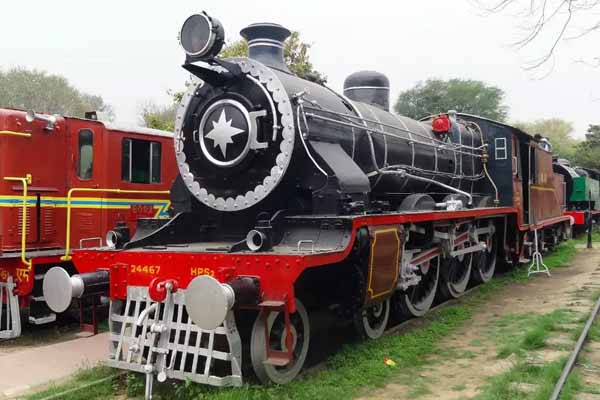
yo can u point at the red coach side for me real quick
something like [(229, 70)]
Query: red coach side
[(98, 173)]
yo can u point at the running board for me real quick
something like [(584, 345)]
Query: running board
[(46, 319), (160, 338), (10, 314)]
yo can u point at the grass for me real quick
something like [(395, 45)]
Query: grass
[(82, 380), (537, 329), (506, 386), (544, 377), (359, 367)]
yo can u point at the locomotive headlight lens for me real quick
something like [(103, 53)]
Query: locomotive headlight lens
[(201, 36)]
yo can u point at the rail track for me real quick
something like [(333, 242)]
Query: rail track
[(576, 351)]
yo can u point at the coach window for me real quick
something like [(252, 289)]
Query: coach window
[(140, 161), (500, 146), (86, 154)]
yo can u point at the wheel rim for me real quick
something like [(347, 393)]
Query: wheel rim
[(457, 272), (375, 319), (486, 262), (300, 329), (417, 299)]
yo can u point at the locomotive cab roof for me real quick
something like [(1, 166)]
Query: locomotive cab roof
[(521, 134), (109, 126)]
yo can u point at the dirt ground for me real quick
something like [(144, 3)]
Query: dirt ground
[(472, 353)]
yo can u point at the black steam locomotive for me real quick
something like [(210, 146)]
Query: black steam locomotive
[(294, 198)]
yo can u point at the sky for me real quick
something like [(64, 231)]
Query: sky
[(128, 52)]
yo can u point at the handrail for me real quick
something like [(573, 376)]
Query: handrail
[(25, 181), (67, 256), (12, 133)]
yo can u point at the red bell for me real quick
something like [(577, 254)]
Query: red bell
[(441, 124)]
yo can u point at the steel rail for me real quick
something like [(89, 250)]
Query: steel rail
[(573, 358)]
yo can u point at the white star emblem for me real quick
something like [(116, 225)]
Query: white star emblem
[(222, 133)]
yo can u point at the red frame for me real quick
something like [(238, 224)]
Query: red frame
[(277, 272)]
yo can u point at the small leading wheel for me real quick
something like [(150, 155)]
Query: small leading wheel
[(372, 321), (417, 299), (300, 329), (455, 275), (484, 262)]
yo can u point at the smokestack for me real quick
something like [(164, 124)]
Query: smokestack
[(265, 43)]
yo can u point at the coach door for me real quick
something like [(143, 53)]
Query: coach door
[(87, 173), (526, 178), (520, 164)]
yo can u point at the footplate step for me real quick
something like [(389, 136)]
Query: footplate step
[(10, 314)]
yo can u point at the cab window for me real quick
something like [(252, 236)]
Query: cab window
[(140, 161), (500, 148), (86, 154)]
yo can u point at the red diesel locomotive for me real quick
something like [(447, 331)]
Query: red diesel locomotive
[(76, 178), (293, 198)]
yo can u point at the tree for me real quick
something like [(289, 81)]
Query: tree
[(553, 21), (46, 93), (588, 152), (468, 96), (159, 117), (295, 53), (557, 130)]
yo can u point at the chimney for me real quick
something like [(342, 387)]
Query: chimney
[(265, 44)]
